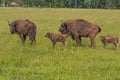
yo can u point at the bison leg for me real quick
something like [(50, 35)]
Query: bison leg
[(105, 43), (23, 38), (80, 40), (77, 40), (32, 39), (92, 37), (92, 42), (76, 37), (116, 45)]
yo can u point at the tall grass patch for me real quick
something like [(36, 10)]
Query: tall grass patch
[(42, 62)]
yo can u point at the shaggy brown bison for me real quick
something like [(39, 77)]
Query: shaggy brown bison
[(24, 28), (80, 28), (56, 38), (109, 39)]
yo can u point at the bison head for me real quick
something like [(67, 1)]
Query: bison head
[(12, 27), (63, 28), (48, 35)]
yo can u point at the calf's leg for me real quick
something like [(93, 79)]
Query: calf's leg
[(64, 43), (54, 43), (116, 45)]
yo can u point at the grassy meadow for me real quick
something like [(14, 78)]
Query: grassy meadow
[(42, 62)]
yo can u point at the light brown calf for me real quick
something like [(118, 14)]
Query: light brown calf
[(109, 39), (56, 38)]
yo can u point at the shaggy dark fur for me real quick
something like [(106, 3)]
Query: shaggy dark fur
[(109, 39), (80, 28), (56, 38), (24, 28)]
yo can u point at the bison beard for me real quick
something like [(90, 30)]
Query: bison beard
[(80, 28), (24, 28)]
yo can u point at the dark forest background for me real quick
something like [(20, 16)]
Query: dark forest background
[(107, 4)]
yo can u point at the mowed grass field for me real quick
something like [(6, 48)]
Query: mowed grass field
[(42, 62)]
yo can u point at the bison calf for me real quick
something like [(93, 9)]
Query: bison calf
[(109, 39), (57, 38), (24, 28)]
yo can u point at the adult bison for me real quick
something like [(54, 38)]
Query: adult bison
[(24, 28), (80, 28)]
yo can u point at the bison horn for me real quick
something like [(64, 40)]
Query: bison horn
[(27, 19), (8, 22)]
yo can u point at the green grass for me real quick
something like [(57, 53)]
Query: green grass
[(42, 62)]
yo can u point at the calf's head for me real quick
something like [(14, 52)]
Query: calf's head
[(48, 35), (12, 27)]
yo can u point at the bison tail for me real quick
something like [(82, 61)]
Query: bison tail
[(33, 34)]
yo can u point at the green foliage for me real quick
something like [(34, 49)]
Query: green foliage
[(42, 62), (108, 4)]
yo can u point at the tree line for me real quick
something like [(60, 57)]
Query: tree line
[(107, 4)]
